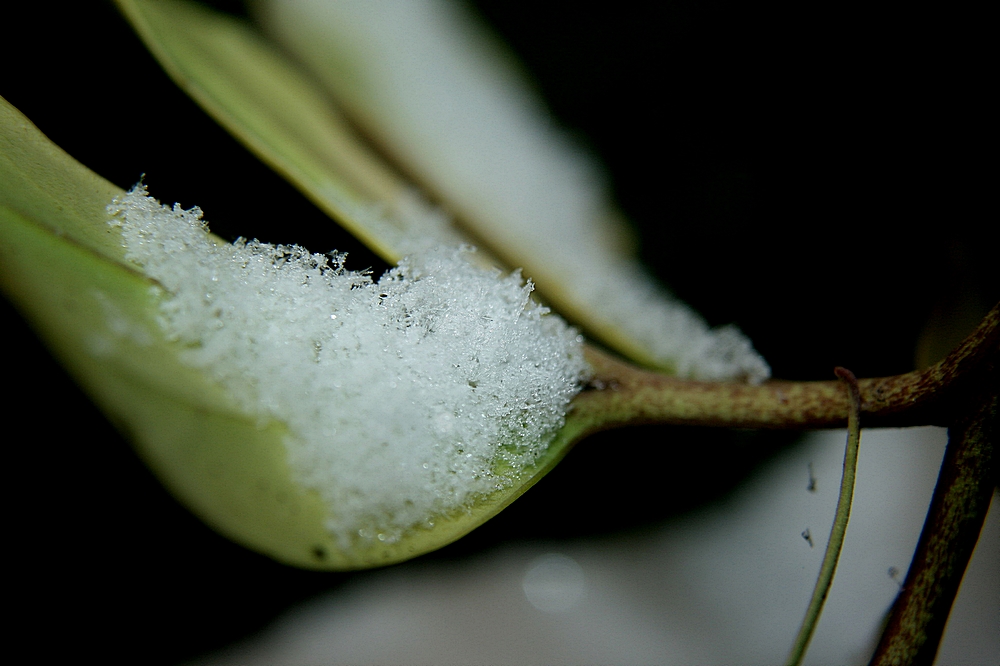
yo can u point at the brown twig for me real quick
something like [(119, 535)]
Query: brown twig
[(623, 394), (958, 508)]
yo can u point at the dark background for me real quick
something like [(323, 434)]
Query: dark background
[(822, 177)]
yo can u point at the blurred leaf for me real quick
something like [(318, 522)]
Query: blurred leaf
[(285, 117)]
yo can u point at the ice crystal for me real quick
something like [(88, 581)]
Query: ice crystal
[(406, 397)]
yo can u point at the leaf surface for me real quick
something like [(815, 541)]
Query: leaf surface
[(260, 97), (63, 265), (288, 120), (446, 103)]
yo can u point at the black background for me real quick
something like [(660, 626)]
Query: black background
[(822, 177)]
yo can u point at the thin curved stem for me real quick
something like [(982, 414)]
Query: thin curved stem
[(841, 518)]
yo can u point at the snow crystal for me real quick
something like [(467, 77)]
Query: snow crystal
[(405, 398)]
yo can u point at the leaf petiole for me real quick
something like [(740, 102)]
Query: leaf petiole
[(843, 515)]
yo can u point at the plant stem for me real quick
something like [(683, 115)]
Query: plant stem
[(957, 512), (841, 518), (622, 394)]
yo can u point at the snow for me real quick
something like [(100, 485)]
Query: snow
[(406, 397)]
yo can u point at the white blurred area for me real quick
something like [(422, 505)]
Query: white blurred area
[(727, 584)]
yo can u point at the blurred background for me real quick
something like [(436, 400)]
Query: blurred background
[(820, 178)]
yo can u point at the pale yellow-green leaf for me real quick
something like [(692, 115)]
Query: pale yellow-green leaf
[(449, 101), (418, 77), (283, 116), (287, 121), (62, 264)]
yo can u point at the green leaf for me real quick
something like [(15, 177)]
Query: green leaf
[(62, 264), (525, 195), (285, 118), (287, 121)]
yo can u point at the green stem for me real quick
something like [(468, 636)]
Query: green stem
[(836, 542)]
